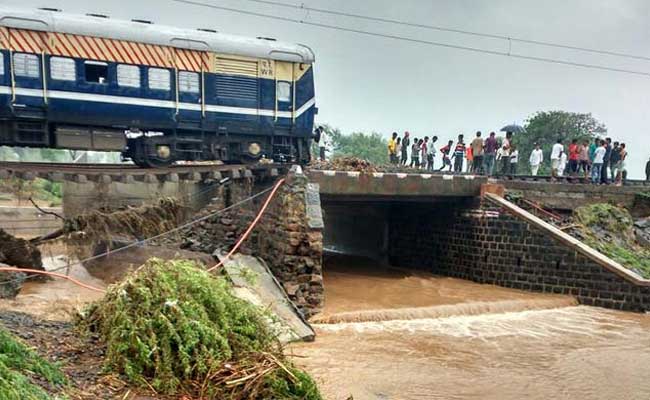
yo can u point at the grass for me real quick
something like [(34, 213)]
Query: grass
[(20, 367), (175, 327), (610, 230)]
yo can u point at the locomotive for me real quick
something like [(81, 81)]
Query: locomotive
[(157, 94)]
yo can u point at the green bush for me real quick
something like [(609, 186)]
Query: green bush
[(177, 327), (610, 230), (17, 364)]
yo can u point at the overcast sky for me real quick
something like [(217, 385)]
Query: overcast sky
[(374, 84)]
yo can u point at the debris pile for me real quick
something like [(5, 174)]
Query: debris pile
[(610, 230), (175, 327), (354, 164), (23, 374), (20, 253), (345, 164), (136, 222)]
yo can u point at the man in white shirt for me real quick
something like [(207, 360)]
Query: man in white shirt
[(323, 142), (556, 154), (563, 163), (536, 159)]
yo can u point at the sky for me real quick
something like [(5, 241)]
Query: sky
[(383, 85)]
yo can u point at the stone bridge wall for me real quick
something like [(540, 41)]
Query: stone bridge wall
[(290, 240), (485, 245)]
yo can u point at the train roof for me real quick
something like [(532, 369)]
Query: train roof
[(146, 32)]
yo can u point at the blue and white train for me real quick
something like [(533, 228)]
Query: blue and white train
[(156, 94)]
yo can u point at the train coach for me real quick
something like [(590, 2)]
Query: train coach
[(156, 94)]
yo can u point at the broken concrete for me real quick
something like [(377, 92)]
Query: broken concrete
[(254, 282)]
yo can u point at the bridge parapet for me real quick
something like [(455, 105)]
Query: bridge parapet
[(395, 186)]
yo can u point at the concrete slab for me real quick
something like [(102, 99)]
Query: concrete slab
[(395, 185), (255, 283)]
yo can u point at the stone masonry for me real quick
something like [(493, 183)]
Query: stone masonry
[(484, 244), (290, 240)]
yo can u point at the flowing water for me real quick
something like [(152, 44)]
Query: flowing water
[(384, 335)]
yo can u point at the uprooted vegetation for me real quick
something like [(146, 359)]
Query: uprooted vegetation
[(23, 372), (137, 222), (175, 327), (610, 230)]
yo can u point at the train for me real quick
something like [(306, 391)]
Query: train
[(156, 94)]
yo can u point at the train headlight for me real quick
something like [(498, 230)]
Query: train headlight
[(163, 151), (254, 149)]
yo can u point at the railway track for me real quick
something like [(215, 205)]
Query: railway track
[(129, 173)]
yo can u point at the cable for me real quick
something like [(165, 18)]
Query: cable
[(451, 30), (51, 273), (144, 241), (419, 41), (250, 227), (241, 240)]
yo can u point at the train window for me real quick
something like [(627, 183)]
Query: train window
[(188, 82), (128, 75), (62, 69), (159, 79), (96, 72), (26, 65), (284, 91), (2, 64)]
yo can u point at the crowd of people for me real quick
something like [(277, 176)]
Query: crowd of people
[(600, 161), (483, 156)]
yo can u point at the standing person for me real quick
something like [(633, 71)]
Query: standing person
[(490, 151), (597, 166), (406, 142), (503, 159), (415, 154), (536, 159), (477, 153), (615, 162), (431, 155), (398, 151), (469, 156), (621, 177), (574, 157), (424, 151), (561, 170), (459, 155), (323, 139), (583, 159), (392, 148), (445, 151), (604, 175), (556, 153), (592, 150), (647, 171), (514, 159)]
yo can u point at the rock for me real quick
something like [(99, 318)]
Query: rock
[(14, 282), (19, 253), (291, 289)]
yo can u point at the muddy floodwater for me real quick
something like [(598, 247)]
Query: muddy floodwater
[(395, 335)]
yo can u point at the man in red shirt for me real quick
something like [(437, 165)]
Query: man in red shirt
[(574, 157)]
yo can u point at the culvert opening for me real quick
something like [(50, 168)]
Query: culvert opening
[(388, 261)]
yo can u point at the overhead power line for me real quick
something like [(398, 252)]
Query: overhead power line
[(412, 40), (451, 30)]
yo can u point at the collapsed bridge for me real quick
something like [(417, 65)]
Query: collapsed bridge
[(455, 226)]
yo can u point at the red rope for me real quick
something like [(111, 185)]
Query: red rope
[(54, 274), (250, 227)]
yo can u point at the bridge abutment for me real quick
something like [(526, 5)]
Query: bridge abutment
[(485, 244)]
